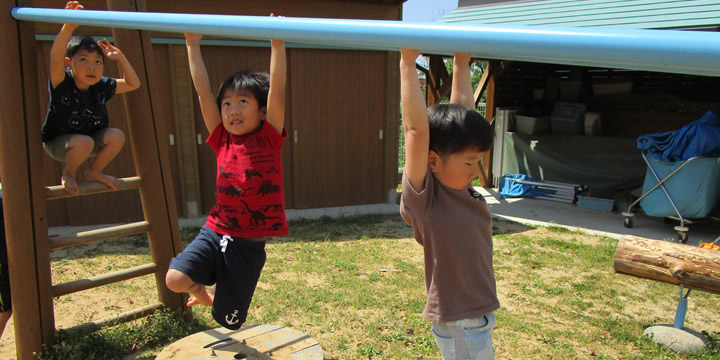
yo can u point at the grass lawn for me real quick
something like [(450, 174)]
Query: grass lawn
[(356, 285)]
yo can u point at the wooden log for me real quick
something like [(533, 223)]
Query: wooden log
[(694, 267)]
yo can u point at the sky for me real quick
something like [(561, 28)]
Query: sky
[(427, 10)]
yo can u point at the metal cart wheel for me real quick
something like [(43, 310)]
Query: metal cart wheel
[(682, 234), (628, 219), (682, 237), (628, 223)]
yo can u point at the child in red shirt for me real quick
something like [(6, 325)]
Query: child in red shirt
[(245, 122)]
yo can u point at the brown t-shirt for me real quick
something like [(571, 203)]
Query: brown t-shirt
[(455, 230)]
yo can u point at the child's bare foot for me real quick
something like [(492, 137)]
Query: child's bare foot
[(101, 177), (206, 298), (69, 183)]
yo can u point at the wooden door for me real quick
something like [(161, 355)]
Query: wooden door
[(338, 114), (165, 77)]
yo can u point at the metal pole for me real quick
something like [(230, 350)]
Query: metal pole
[(688, 52)]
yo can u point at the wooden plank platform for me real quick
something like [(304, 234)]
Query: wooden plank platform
[(256, 342)]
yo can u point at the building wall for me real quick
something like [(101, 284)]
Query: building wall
[(342, 113)]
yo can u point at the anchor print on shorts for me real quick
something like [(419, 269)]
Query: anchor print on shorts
[(232, 319)]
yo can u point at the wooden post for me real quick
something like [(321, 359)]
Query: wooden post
[(392, 124), (24, 194), (694, 267), (483, 84), (148, 138), (186, 134), (486, 165), (439, 82)]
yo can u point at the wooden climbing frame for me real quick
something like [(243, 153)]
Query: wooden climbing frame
[(25, 196)]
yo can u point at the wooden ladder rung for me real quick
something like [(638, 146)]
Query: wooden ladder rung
[(84, 237), (92, 187), (119, 318), (104, 279)]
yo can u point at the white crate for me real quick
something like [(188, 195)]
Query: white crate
[(529, 125)]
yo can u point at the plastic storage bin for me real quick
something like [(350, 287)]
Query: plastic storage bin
[(568, 119), (694, 188), (592, 203), (528, 125)]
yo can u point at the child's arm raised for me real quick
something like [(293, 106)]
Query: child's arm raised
[(278, 78), (198, 72), (415, 120), (462, 92), (59, 48), (129, 81)]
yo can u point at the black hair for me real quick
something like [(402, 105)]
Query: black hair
[(455, 128), (78, 43), (257, 83)]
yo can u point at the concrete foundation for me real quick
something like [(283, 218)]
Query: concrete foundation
[(678, 340)]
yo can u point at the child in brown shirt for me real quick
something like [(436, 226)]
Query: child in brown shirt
[(443, 147)]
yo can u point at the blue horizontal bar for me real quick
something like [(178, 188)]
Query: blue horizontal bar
[(688, 52), (209, 42)]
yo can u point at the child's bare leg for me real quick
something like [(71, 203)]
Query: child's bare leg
[(178, 282), (80, 147), (195, 300), (113, 141)]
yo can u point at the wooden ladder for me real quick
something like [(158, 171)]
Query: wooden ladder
[(105, 232), (25, 195)]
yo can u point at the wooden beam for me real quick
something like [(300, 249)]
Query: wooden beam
[(482, 85), (148, 137), (439, 82), (117, 319), (92, 187), (673, 263), (105, 233), (103, 279), (427, 77), (486, 161), (21, 166)]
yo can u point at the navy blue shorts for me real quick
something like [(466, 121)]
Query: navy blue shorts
[(232, 264)]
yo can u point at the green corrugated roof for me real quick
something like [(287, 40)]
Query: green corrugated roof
[(638, 14)]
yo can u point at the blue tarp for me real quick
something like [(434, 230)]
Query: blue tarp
[(508, 188), (699, 138)]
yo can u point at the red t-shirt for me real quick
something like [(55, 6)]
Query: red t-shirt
[(249, 194)]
